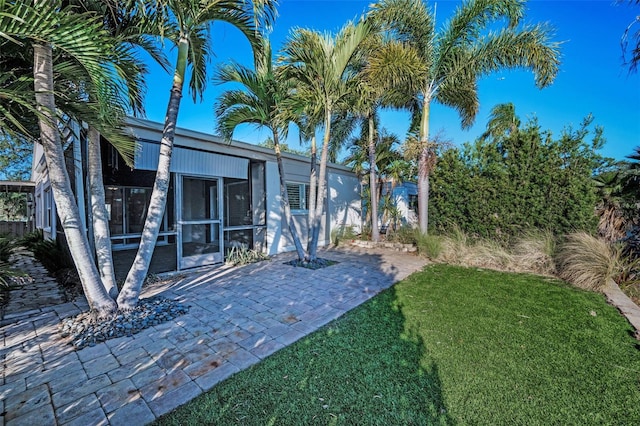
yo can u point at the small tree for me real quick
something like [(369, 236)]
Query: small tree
[(259, 102), (320, 67), (445, 65), (187, 24)]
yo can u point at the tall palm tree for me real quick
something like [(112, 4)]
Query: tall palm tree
[(187, 24), (132, 29), (321, 67), (76, 45), (258, 102), (446, 64)]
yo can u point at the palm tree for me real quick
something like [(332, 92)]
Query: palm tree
[(187, 24), (320, 66), (445, 65), (258, 102), (361, 160), (634, 58), (503, 121), (87, 56), (132, 29)]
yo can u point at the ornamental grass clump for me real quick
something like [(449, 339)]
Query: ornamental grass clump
[(588, 262), (534, 252), (429, 245)]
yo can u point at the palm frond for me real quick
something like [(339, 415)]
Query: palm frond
[(529, 48)]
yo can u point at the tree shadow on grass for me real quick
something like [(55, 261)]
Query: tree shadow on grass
[(362, 368)]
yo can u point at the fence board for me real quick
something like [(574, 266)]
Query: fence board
[(14, 228)]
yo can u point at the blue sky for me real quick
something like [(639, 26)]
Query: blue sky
[(592, 79)]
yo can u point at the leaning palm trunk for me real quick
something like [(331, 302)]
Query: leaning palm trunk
[(322, 188), (373, 179), (95, 292), (130, 292), (285, 199), (99, 214)]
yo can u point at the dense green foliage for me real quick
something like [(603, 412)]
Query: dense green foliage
[(519, 179), (449, 345)]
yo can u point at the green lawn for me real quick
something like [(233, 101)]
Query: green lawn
[(449, 345)]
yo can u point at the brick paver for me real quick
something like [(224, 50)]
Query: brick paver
[(238, 316)]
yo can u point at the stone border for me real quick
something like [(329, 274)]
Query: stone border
[(405, 248), (625, 305)]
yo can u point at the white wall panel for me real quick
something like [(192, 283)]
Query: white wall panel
[(192, 161)]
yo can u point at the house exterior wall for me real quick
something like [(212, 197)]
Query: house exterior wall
[(211, 158), (344, 202), (402, 194)]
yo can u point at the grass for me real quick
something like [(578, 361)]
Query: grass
[(449, 345), (588, 262)]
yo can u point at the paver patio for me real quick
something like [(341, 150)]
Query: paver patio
[(238, 316)]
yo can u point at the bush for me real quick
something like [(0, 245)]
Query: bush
[(51, 256), (238, 256), (535, 252), (343, 233), (428, 245), (6, 248), (403, 235), (32, 237), (532, 253), (588, 262)]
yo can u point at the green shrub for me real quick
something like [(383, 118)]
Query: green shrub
[(6, 273), (32, 237), (429, 245), (6, 248), (343, 233), (404, 235), (238, 256), (50, 255)]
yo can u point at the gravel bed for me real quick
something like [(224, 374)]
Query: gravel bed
[(317, 264), (85, 330)]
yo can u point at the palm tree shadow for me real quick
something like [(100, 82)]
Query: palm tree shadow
[(425, 379)]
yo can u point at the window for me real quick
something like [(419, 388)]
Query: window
[(127, 211), (413, 203), (298, 195), (47, 219), (237, 202)]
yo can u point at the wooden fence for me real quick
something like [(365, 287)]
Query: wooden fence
[(15, 228)]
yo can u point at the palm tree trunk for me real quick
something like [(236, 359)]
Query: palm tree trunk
[(313, 191), (130, 292), (423, 169), (322, 188), (100, 216), (66, 205), (285, 199), (373, 179)]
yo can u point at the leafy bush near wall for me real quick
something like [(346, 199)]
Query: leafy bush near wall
[(6, 247), (239, 256), (343, 233), (47, 252), (504, 185)]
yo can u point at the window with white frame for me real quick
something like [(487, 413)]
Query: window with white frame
[(298, 196), (46, 214)]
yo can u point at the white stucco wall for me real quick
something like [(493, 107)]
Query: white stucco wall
[(345, 203)]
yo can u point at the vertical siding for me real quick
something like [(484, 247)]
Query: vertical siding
[(193, 162)]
